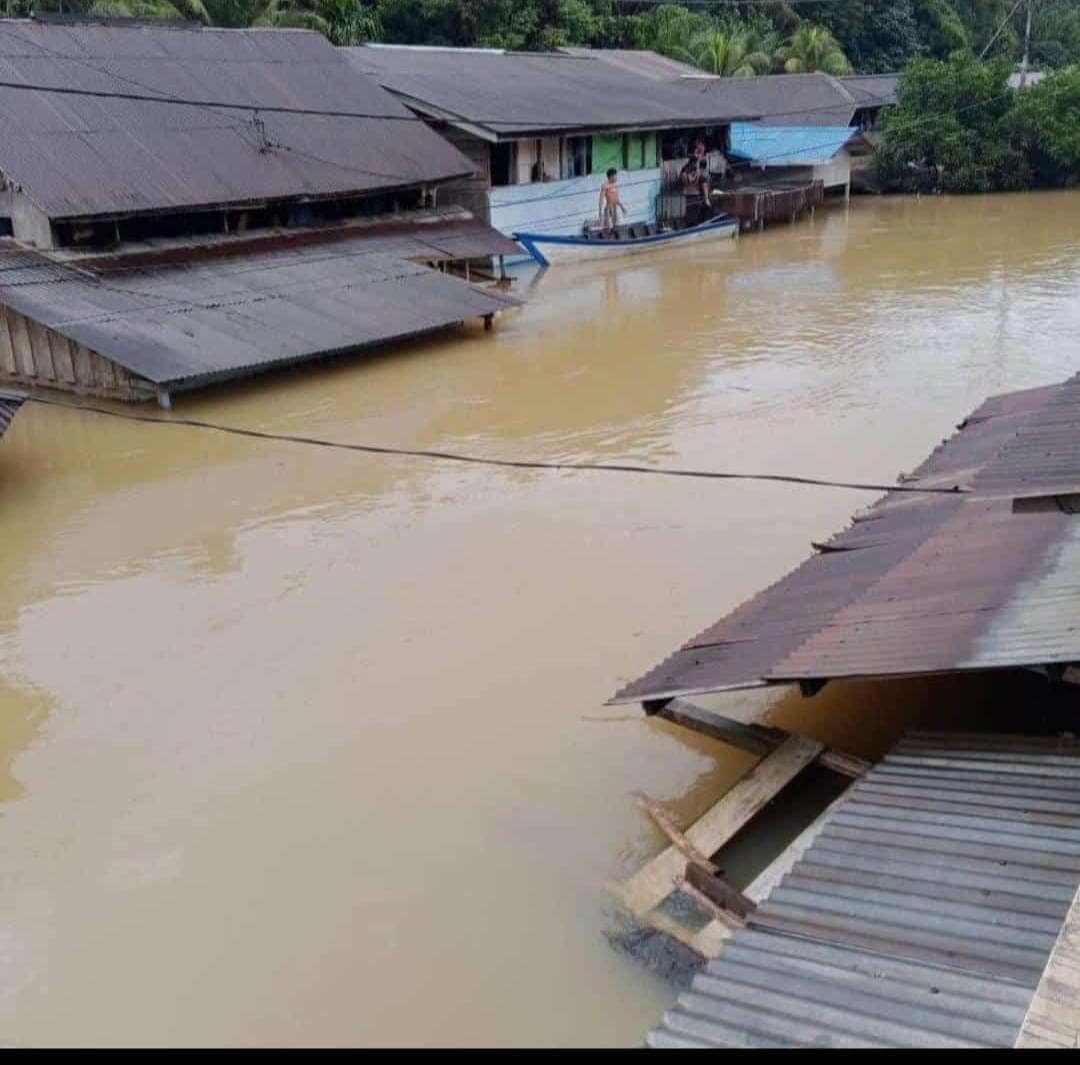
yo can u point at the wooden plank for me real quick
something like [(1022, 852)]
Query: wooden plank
[(7, 352), (1053, 1017), (666, 824), (652, 884), (757, 739), (717, 890)]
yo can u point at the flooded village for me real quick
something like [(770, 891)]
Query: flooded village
[(369, 458)]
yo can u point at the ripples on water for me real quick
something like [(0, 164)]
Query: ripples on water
[(300, 746)]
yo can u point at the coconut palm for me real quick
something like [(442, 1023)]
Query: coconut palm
[(810, 49), (728, 54)]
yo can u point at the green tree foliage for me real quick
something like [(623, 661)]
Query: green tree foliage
[(810, 49), (960, 128), (729, 53), (876, 36), (869, 35), (1046, 126)]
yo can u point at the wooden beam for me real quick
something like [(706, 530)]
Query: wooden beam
[(1053, 1016), (718, 890), (652, 884), (757, 739), (663, 820)]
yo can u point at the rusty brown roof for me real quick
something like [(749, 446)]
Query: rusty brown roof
[(78, 156), (187, 322), (924, 584)]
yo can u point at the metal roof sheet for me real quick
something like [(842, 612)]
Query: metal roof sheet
[(872, 90), (10, 402), (83, 156), (922, 915), (784, 99), (788, 145), (525, 93), (205, 319), (641, 61), (923, 584)]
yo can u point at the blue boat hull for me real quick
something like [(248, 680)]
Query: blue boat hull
[(547, 248)]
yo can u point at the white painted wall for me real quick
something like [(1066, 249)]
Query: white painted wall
[(562, 206)]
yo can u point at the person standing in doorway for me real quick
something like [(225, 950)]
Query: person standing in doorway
[(611, 201)]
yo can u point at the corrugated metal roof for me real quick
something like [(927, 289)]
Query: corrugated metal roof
[(784, 99), (923, 584), (10, 402), (922, 915), (512, 94), (788, 145), (872, 90), (208, 319), (82, 156), (640, 61)]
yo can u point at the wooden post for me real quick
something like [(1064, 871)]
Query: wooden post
[(489, 320)]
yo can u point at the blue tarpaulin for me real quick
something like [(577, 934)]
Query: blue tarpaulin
[(788, 145)]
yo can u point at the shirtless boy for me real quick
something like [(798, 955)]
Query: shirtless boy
[(610, 201)]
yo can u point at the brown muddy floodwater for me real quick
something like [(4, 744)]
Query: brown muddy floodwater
[(303, 746)]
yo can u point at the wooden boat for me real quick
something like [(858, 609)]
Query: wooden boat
[(627, 239)]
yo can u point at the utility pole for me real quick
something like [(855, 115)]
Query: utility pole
[(1027, 48)]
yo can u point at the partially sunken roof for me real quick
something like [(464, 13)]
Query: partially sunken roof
[(76, 155), (180, 323), (987, 578), (511, 94)]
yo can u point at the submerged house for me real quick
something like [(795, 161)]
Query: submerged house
[(182, 205), (542, 129)]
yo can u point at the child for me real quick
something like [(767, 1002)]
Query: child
[(610, 201)]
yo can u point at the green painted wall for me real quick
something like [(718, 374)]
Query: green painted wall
[(607, 151)]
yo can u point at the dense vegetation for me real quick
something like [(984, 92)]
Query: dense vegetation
[(960, 128), (727, 37)]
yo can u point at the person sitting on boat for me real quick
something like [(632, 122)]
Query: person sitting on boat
[(611, 201)]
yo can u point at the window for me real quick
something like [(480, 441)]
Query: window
[(577, 157), (5, 227)]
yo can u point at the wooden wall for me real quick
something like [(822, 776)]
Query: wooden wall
[(469, 192), (33, 354)]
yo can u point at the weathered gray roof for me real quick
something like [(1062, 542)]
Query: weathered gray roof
[(507, 94), (922, 914), (640, 61), (872, 90), (10, 402), (188, 323), (924, 583), (82, 156), (785, 99)]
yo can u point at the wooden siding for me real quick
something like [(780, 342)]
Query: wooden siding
[(469, 192), (33, 354)]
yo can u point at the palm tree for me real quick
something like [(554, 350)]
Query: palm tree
[(184, 10), (728, 54), (810, 49), (343, 21)]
